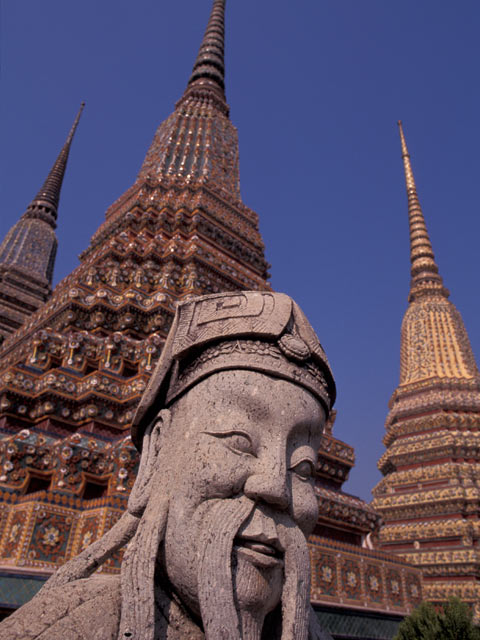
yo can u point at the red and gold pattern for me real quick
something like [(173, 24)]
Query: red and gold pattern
[(347, 575)]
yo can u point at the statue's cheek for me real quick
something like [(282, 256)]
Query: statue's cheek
[(220, 476), (305, 505)]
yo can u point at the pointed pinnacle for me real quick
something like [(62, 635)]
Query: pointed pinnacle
[(424, 270), (75, 124), (49, 195), (208, 74), (210, 64)]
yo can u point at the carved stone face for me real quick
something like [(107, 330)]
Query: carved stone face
[(239, 433)]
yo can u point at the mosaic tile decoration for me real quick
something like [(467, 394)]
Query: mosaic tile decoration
[(356, 577)]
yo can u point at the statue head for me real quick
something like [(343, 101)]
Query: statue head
[(232, 419), (228, 429)]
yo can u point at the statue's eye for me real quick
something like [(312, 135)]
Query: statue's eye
[(304, 469), (236, 441), (240, 442)]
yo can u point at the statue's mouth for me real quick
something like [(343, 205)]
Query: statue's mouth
[(259, 552)]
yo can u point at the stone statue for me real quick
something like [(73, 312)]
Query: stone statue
[(228, 430)]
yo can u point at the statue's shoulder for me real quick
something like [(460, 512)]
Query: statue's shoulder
[(80, 610)]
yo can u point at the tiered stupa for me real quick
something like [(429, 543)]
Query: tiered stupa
[(71, 377), (27, 254), (430, 495)]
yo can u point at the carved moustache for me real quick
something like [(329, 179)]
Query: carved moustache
[(216, 579)]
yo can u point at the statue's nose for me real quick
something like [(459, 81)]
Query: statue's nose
[(269, 485)]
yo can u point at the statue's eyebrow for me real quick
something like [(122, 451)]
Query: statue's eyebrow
[(302, 452), (313, 430), (252, 404)]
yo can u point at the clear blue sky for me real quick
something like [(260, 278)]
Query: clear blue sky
[(315, 88)]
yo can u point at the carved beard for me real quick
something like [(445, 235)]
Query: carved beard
[(138, 569), (218, 581), (219, 586)]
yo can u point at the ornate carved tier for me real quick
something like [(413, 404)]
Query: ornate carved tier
[(343, 517)]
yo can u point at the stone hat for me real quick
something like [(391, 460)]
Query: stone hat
[(257, 330)]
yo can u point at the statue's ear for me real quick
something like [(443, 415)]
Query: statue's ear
[(152, 439)]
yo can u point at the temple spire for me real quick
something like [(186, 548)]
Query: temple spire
[(27, 253), (424, 270), (434, 411), (198, 144), (45, 203), (208, 74)]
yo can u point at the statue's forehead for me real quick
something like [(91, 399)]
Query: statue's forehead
[(251, 395)]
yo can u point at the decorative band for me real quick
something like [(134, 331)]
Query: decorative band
[(256, 355)]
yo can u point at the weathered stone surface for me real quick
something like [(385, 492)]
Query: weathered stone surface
[(81, 609), (229, 430)]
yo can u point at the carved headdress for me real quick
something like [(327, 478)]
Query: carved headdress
[(257, 330)]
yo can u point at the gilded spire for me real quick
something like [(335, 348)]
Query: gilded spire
[(434, 342), (432, 426), (45, 203), (208, 74), (424, 270)]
